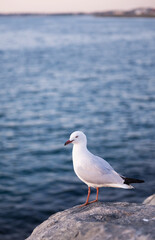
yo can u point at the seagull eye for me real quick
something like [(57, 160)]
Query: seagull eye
[(76, 137)]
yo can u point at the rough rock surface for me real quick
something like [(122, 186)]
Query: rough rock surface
[(150, 200), (100, 221)]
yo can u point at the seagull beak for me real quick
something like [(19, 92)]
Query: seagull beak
[(68, 142)]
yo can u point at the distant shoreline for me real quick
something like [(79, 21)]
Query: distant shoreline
[(67, 14), (138, 12)]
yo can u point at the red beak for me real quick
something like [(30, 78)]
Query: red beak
[(68, 142)]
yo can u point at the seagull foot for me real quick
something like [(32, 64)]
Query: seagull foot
[(93, 201), (86, 203)]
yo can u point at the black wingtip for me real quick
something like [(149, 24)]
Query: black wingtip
[(128, 181)]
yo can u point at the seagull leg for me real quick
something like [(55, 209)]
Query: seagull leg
[(97, 191), (89, 190)]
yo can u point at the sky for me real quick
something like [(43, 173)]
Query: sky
[(62, 6)]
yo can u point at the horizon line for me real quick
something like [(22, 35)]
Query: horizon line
[(74, 12)]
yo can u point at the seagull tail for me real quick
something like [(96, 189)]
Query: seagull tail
[(131, 180)]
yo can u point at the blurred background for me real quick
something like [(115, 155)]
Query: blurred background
[(61, 73)]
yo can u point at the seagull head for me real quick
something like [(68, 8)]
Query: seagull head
[(77, 137)]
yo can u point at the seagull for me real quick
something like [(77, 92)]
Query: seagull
[(94, 171)]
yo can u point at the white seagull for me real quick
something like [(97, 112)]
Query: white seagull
[(93, 170)]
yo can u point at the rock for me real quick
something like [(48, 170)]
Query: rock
[(150, 200), (100, 221)]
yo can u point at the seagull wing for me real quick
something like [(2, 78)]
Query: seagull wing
[(99, 172), (107, 174)]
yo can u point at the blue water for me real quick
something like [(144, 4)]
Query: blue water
[(61, 74)]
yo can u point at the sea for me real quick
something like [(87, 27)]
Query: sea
[(59, 74)]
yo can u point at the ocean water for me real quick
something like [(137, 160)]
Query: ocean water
[(61, 74)]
